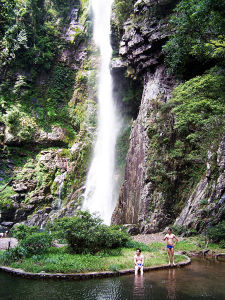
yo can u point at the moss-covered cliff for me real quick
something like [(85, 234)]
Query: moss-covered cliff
[(47, 109)]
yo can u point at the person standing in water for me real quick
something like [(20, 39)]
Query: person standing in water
[(170, 237), (139, 262)]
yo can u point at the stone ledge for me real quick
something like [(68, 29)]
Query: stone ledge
[(82, 276)]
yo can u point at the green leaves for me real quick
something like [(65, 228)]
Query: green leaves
[(199, 27), (86, 233), (199, 102), (123, 9)]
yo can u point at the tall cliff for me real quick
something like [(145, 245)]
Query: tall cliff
[(171, 146), (47, 110), (167, 177)]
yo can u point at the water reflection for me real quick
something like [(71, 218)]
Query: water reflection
[(139, 285), (171, 285)]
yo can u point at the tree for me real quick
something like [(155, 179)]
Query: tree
[(199, 31)]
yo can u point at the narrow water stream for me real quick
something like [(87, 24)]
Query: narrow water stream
[(99, 192), (203, 279)]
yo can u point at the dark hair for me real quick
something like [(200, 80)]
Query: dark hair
[(170, 229), (138, 250)]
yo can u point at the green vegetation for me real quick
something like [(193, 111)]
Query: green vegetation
[(216, 234), (193, 244), (123, 9), (60, 260), (199, 33), (30, 32), (191, 122), (22, 231), (86, 233), (92, 247)]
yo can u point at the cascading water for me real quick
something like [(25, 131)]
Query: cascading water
[(61, 184), (98, 196)]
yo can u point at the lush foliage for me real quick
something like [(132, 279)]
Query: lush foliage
[(185, 128), (199, 31), (199, 106), (123, 9), (22, 231), (86, 233), (57, 260), (217, 233), (36, 243), (31, 242), (29, 32)]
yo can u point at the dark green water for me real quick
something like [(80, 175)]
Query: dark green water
[(203, 279)]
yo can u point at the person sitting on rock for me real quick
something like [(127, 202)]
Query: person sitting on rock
[(170, 237), (139, 262)]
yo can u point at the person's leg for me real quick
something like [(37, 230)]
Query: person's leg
[(172, 252), (169, 253), (142, 270), (136, 270)]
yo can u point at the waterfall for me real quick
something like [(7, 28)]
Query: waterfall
[(61, 184), (98, 196)]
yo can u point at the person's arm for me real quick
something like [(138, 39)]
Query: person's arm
[(165, 237), (143, 259), (175, 239), (135, 260)]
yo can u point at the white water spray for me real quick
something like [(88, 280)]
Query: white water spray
[(98, 196)]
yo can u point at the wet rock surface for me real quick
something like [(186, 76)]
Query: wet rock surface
[(137, 194)]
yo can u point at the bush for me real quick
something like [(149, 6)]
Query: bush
[(13, 254), (217, 233), (36, 243), (21, 231), (134, 245), (222, 244), (176, 229), (86, 233)]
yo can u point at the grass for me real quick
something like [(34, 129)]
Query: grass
[(191, 244), (60, 260)]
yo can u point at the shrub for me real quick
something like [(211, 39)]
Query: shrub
[(86, 233), (36, 243), (217, 233), (21, 231), (134, 245), (13, 254), (178, 229), (222, 244)]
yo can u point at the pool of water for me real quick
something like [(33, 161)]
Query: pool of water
[(203, 279)]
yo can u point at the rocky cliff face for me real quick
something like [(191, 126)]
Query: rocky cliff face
[(137, 194), (206, 205), (149, 198)]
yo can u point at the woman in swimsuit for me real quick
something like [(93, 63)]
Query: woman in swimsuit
[(170, 237), (139, 262)]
